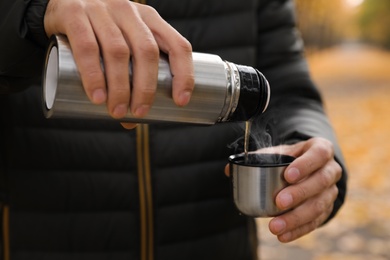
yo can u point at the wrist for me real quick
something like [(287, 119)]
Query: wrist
[(34, 19)]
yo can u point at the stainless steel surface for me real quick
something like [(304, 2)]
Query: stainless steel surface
[(215, 97), (256, 183)]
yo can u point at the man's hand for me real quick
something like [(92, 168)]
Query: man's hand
[(312, 191), (119, 31)]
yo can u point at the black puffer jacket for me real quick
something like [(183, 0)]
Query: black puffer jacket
[(73, 189)]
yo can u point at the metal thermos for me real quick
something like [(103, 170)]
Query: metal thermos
[(223, 92)]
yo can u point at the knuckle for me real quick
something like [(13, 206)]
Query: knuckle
[(120, 4), (77, 27), (119, 50), (147, 94), (330, 174), (121, 92), (92, 79), (147, 12), (335, 192), (188, 81), (300, 193), (184, 44), (295, 220), (95, 5), (149, 50), (88, 46), (324, 148), (93, 74), (73, 7), (324, 204), (150, 11), (319, 207), (327, 177), (327, 213), (144, 95), (338, 170)]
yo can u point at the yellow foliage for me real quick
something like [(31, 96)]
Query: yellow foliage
[(324, 23)]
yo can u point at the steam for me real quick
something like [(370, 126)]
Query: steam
[(263, 135)]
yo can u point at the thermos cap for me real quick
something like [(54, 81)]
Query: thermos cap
[(254, 94)]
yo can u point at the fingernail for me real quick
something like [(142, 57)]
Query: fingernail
[(278, 226), (141, 111), (293, 175), (120, 110), (98, 96), (184, 98), (286, 200)]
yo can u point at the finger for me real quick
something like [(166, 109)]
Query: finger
[(311, 156), (179, 51), (129, 126), (303, 230), (227, 170), (86, 53), (145, 58), (305, 217), (116, 57), (316, 183)]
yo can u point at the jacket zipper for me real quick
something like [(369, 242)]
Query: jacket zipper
[(145, 189), (145, 193)]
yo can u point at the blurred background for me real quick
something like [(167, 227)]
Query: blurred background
[(348, 50)]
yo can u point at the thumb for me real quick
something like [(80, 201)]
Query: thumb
[(227, 170)]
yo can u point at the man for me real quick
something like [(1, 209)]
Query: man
[(88, 189)]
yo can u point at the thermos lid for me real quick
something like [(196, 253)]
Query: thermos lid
[(254, 94)]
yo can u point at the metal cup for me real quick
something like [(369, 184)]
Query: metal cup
[(257, 179)]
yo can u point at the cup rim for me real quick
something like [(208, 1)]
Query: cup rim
[(268, 160)]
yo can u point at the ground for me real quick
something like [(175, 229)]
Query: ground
[(355, 83)]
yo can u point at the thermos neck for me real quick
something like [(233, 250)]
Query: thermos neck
[(248, 93)]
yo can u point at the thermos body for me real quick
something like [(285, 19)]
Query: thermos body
[(216, 97)]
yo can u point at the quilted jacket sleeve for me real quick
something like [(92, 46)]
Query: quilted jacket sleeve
[(296, 107), (22, 43)]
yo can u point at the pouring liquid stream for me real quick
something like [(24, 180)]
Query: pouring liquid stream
[(248, 125)]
